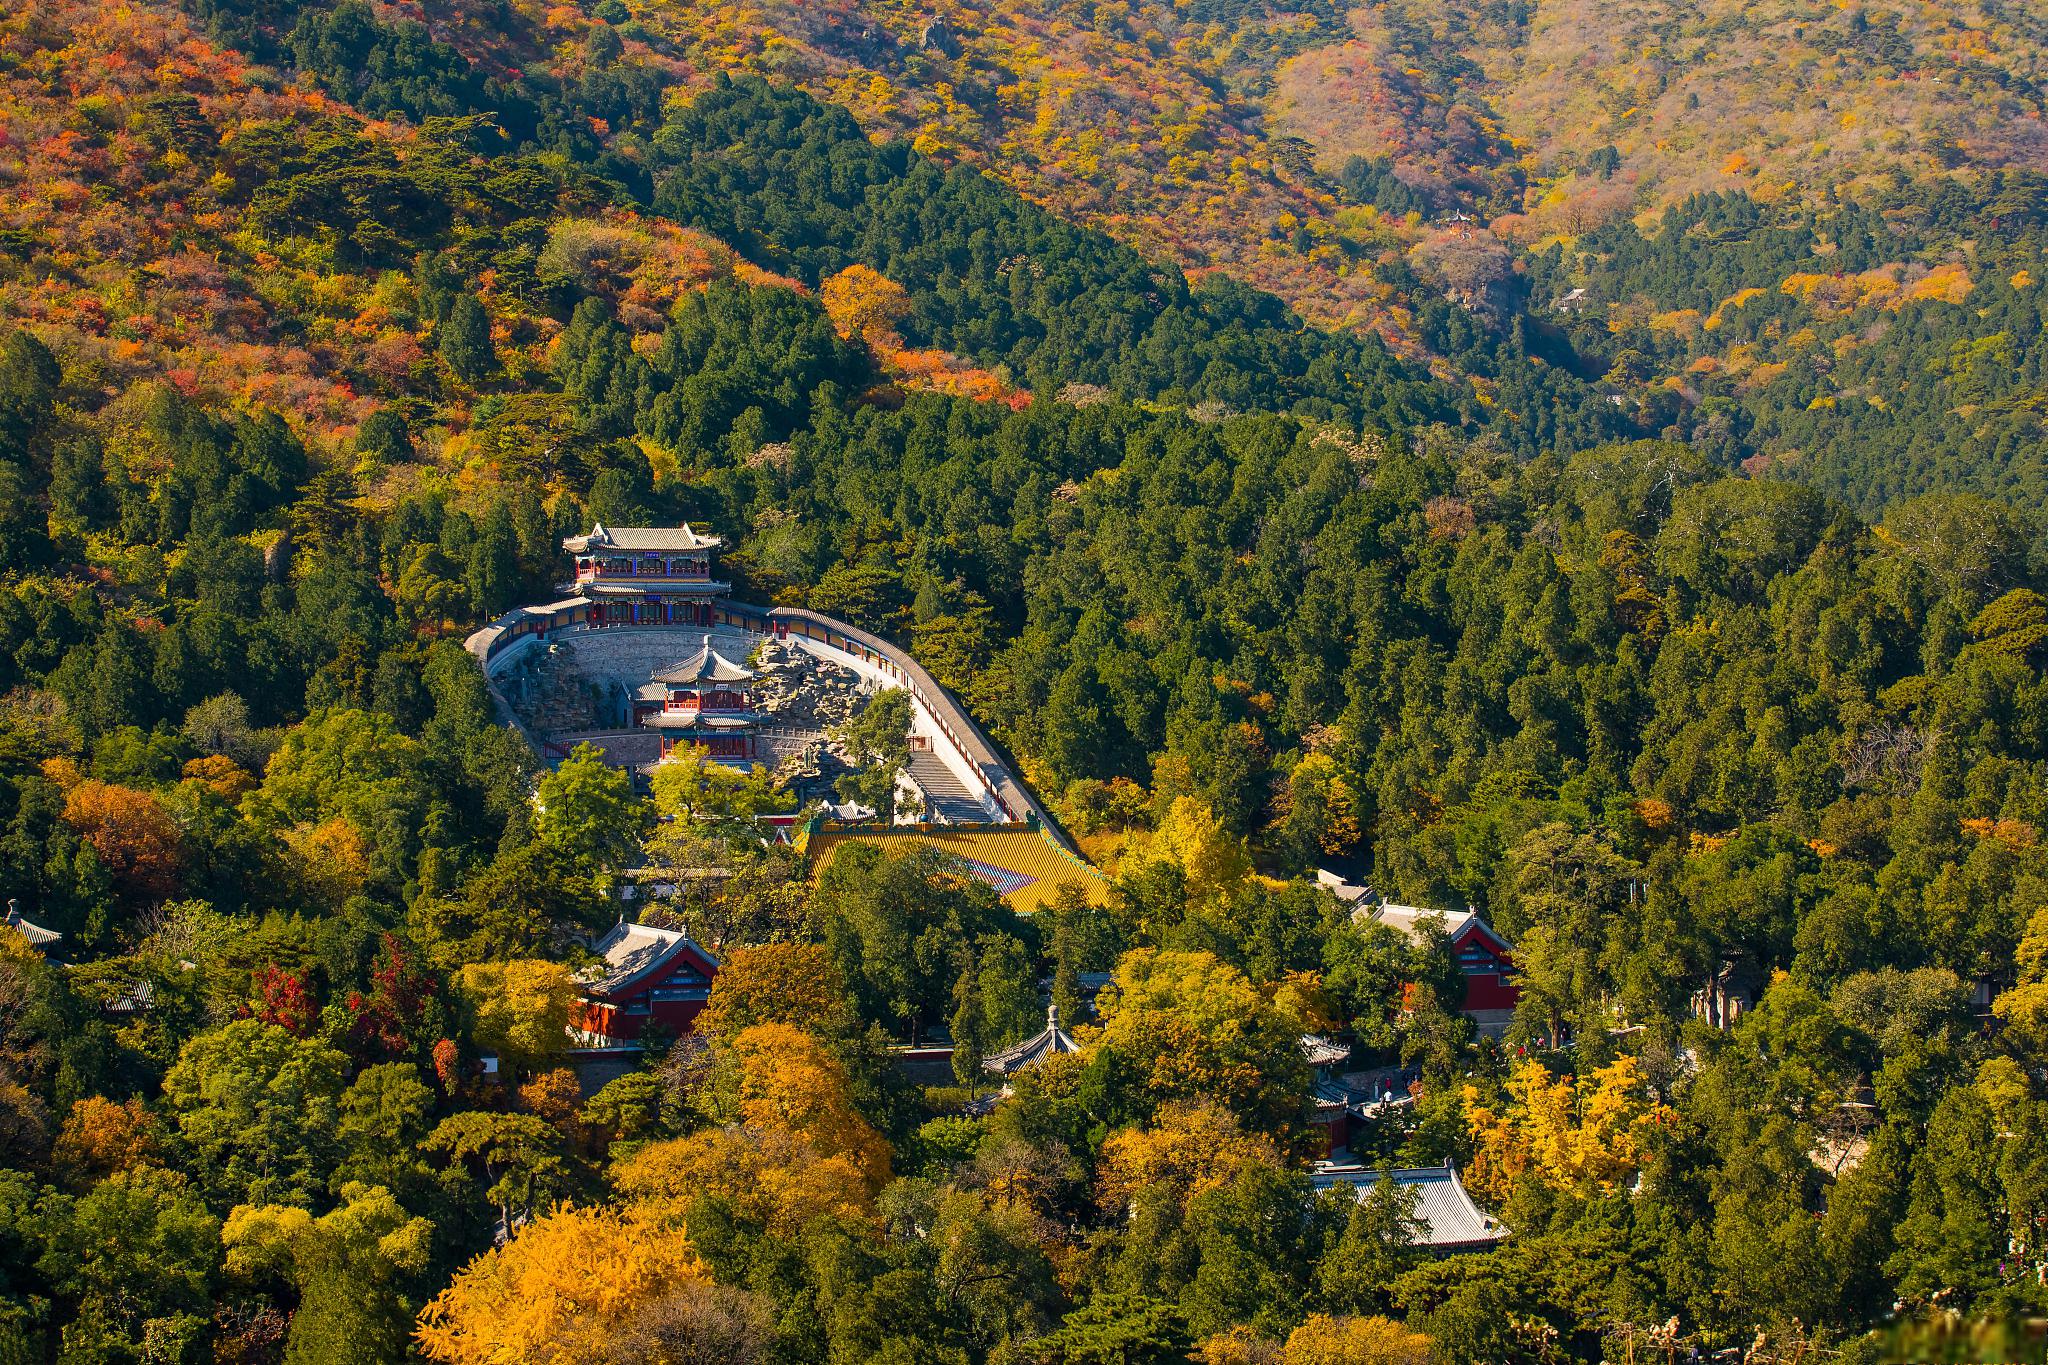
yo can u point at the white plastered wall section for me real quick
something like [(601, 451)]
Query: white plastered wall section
[(923, 724)]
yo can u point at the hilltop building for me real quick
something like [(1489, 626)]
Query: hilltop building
[(647, 575), (652, 652)]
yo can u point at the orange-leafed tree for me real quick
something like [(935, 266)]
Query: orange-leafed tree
[(101, 1137), (221, 773), (776, 983), (555, 1097), (557, 1292), (132, 834), (781, 1078), (867, 304)]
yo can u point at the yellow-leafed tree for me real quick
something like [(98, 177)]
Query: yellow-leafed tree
[(792, 1148), (2024, 1008), (351, 1268), (788, 1081), (765, 1177), (1324, 1340), (1188, 1149), (775, 983), (557, 1293), (522, 1010), (1596, 1130), (1192, 837), (867, 304), (1189, 1026)]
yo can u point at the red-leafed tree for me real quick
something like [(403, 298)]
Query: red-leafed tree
[(386, 1021), (448, 1065), (283, 998)]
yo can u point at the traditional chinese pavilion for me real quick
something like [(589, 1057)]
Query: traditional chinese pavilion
[(1329, 1102), (704, 702), (42, 940), (647, 575), (1053, 1041), (647, 976)]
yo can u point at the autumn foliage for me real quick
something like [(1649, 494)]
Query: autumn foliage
[(1596, 1131), (768, 1177), (788, 1082), (554, 1292), (865, 304), (773, 983), (101, 1137), (1189, 1148), (284, 998), (131, 832)]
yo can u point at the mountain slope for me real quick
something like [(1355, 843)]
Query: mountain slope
[(1602, 108)]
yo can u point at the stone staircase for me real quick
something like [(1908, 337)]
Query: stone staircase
[(946, 799)]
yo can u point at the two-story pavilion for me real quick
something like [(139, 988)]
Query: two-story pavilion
[(702, 701), (647, 575)]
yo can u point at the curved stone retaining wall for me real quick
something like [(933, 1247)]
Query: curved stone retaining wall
[(956, 739)]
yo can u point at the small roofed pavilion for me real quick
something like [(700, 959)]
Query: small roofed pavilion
[(1033, 1050), (703, 701), (41, 939), (1329, 1101)]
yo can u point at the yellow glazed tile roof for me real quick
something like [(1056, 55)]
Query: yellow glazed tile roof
[(1022, 864)]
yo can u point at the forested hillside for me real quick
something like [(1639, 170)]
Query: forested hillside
[(320, 328), (1488, 179), (1598, 107)]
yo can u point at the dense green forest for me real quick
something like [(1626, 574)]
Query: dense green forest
[(1242, 597), (1852, 372)]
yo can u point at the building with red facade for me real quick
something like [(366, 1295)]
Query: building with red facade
[(1485, 959), (702, 702), (647, 575), (647, 976)]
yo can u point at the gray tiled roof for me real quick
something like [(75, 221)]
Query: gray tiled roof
[(1320, 1051), (34, 933), (631, 951), (636, 538), (706, 665), (1449, 1219), (1034, 1049)]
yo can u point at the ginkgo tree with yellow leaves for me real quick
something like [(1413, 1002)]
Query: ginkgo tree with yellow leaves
[(558, 1292), (1591, 1132), (2024, 1008)]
